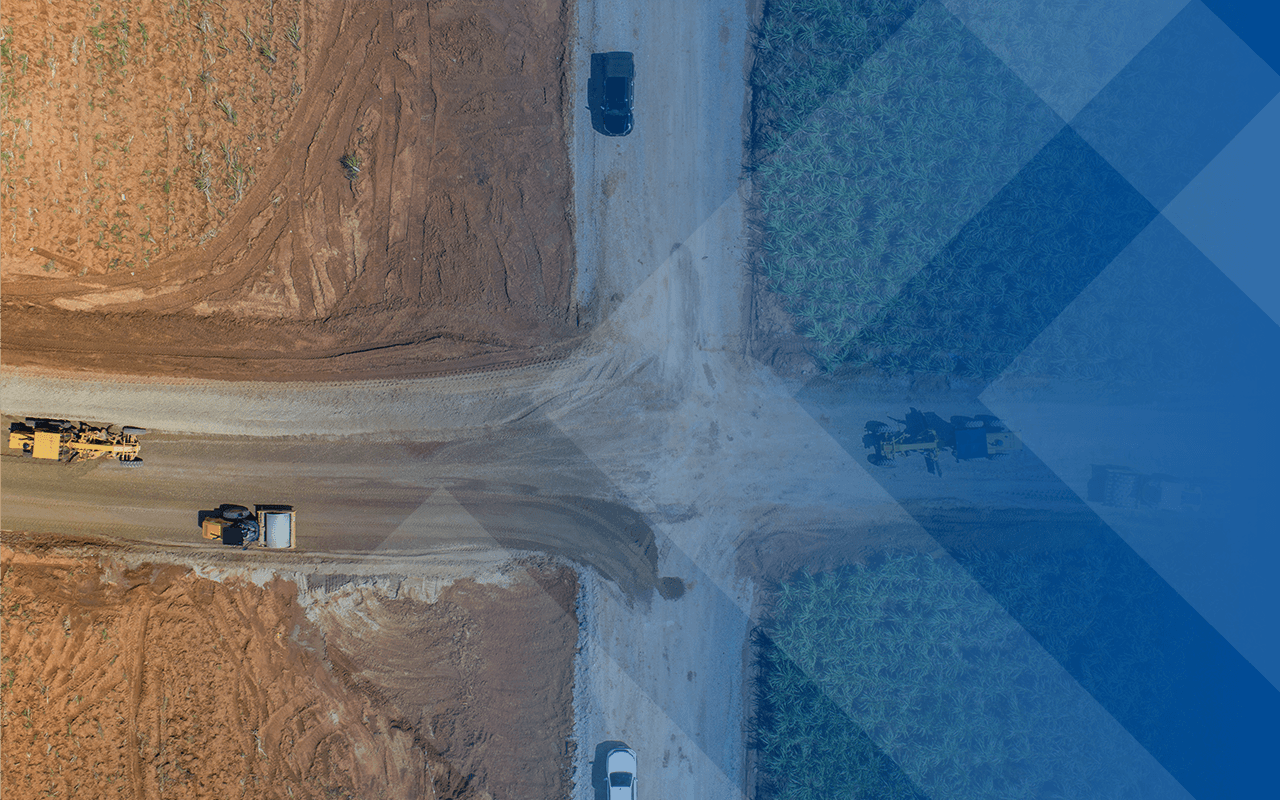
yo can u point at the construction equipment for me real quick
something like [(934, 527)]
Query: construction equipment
[(267, 526), (1123, 487), (61, 440), (966, 438)]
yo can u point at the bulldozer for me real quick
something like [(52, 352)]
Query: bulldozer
[(61, 440), (926, 433)]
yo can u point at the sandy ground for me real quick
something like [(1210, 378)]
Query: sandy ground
[(126, 677), (740, 476), (451, 248)]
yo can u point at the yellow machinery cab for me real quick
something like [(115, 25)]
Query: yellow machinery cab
[(212, 527), (40, 444), (47, 445)]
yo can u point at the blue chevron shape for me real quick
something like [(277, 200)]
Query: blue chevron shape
[(1156, 650), (1055, 226), (1148, 656), (1257, 22), (1177, 103)]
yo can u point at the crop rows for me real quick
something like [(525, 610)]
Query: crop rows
[(161, 90), (906, 667), (918, 208)]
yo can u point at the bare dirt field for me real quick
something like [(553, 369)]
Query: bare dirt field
[(124, 678), (285, 190)]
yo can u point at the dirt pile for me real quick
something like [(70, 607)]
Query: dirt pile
[(283, 190), (150, 681), (485, 674)]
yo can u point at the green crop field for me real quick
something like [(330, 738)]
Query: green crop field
[(919, 209), (906, 667)]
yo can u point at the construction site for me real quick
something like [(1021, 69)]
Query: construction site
[(275, 191), (179, 201), (424, 400)]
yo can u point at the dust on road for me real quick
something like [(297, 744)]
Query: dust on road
[(524, 488)]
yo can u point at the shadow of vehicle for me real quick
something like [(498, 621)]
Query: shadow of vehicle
[(595, 92), (218, 513), (598, 777), (1123, 487), (230, 524)]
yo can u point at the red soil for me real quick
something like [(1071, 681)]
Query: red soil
[(175, 201), (152, 682)]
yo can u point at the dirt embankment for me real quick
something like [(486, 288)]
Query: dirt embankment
[(285, 190), (483, 674), (153, 682)]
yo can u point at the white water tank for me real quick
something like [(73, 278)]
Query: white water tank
[(277, 529)]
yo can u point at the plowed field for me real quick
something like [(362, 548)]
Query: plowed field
[(273, 189), (148, 681)]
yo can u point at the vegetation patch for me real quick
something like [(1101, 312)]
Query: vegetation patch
[(918, 208), (907, 667), (113, 114)]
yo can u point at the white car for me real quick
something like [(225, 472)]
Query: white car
[(620, 766)]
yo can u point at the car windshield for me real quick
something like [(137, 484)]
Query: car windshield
[(620, 779), (617, 122)]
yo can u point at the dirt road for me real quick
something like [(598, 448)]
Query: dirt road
[(527, 489), (660, 266), (659, 412)]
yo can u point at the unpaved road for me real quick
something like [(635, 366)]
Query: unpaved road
[(526, 489)]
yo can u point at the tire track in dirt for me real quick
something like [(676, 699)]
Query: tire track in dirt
[(113, 96), (231, 691), (141, 617), (456, 113), (410, 358)]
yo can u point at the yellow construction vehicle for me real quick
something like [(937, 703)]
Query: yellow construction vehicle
[(966, 438), (267, 526), (60, 440)]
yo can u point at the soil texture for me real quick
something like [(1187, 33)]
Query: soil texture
[(484, 674), (284, 190), (143, 680)]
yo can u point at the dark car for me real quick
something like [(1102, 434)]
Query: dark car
[(619, 93)]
